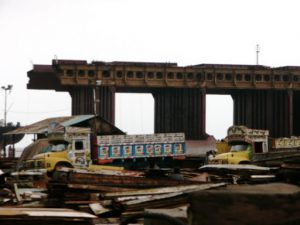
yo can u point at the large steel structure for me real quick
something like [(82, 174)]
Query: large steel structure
[(263, 97)]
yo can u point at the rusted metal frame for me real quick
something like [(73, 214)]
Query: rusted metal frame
[(185, 82), (203, 111), (253, 78), (145, 75), (123, 181), (201, 83), (290, 112), (234, 80), (214, 77)]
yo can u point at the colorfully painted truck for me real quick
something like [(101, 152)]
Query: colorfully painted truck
[(77, 147), (254, 146)]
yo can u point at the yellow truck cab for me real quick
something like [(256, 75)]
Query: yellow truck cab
[(68, 149), (243, 143), (77, 147)]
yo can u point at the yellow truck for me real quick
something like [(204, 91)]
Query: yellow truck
[(243, 143), (254, 146), (77, 147), (70, 148)]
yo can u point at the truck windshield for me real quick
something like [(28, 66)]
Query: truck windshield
[(239, 147), (58, 147)]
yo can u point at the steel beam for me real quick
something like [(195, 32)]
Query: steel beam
[(83, 102), (264, 109), (180, 110)]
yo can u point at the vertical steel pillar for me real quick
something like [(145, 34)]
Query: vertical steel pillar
[(83, 102), (264, 109), (180, 110), (296, 113)]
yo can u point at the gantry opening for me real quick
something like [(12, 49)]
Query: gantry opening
[(135, 113), (219, 114)]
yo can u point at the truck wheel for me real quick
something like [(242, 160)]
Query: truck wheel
[(244, 162), (60, 175), (61, 165)]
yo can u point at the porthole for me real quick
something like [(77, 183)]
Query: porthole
[(258, 77), (267, 78), (219, 76), (159, 75), (81, 73), (239, 77), (130, 74), (296, 78), (106, 73), (247, 77), (150, 75), (91, 73), (209, 76), (139, 74), (179, 75), (190, 76), (170, 75), (119, 74), (200, 76), (70, 73), (286, 78), (277, 78), (228, 76)]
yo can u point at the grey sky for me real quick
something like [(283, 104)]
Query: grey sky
[(182, 31)]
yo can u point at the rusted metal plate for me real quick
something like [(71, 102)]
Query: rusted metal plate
[(268, 204), (44, 212)]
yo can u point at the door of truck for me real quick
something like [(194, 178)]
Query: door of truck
[(258, 147), (81, 148)]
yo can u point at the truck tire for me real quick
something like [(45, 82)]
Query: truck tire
[(60, 175), (244, 162), (61, 165)]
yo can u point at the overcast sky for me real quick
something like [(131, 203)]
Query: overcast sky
[(183, 31)]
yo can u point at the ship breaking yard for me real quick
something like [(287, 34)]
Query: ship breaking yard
[(82, 169)]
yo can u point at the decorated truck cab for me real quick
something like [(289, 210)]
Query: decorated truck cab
[(243, 142), (256, 147)]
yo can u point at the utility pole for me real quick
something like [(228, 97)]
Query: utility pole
[(257, 54), (96, 103), (96, 100), (7, 88)]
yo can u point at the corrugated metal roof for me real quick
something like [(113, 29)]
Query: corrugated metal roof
[(43, 126), (39, 127), (76, 120)]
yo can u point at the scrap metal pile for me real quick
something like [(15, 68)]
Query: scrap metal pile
[(107, 194), (80, 196)]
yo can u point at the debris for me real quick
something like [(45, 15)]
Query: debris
[(163, 190), (44, 216), (239, 173), (17, 194), (6, 196), (98, 209), (290, 171)]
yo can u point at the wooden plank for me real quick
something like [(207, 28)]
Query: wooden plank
[(98, 209), (92, 187), (43, 212), (162, 190)]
